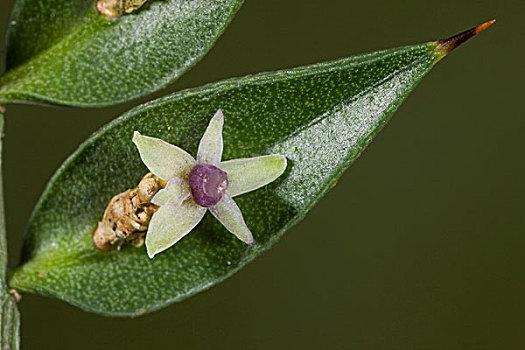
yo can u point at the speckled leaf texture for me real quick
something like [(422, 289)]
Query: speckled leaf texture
[(321, 117), (64, 52)]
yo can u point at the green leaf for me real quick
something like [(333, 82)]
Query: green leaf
[(64, 52), (9, 316), (320, 117)]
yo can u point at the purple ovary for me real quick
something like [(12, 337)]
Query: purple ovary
[(208, 184)]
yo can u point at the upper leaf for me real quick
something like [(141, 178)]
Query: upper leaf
[(64, 52), (320, 117)]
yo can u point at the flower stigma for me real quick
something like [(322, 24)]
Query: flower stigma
[(208, 184)]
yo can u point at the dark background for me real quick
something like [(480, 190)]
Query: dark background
[(420, 245)]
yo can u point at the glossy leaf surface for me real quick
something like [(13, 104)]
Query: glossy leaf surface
[(321, 117), (64, 52)]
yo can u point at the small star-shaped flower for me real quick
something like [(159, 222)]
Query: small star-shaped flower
[(207, 183)]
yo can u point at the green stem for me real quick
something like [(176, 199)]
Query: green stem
[(9, 317), (3, 240), (10, 336)]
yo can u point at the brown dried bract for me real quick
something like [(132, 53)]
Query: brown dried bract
[(117, 8), (127, 216), (110, 8), (17, 297)]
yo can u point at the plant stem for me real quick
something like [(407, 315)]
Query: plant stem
[(10, 336), (9, 317), (3, 240)]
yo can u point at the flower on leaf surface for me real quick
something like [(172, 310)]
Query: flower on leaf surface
[(196, 185)]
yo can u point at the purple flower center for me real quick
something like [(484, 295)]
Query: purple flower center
[(208, 184)]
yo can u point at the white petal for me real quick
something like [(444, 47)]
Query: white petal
[(248, 174), (210, 147), (177, 190), (229, 214), (162, 159), (170, 223)]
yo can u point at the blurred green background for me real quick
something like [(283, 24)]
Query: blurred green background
[(420, 245)]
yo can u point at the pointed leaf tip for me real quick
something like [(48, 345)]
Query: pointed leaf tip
[(444, 46), (484, 26)]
